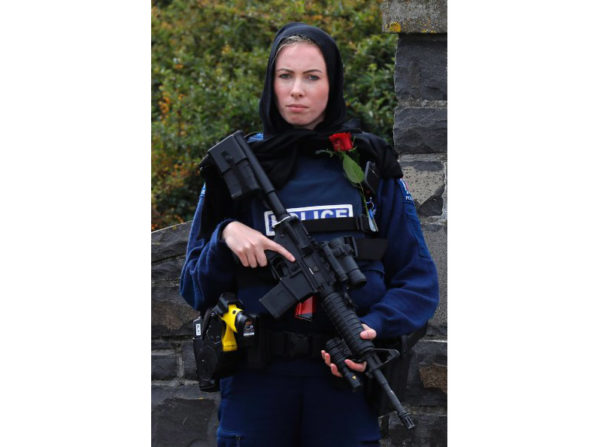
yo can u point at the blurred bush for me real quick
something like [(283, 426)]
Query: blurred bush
[(208, 62)]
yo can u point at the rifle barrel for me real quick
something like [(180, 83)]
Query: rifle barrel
[(402, 413)]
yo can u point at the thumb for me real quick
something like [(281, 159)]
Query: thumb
[(368, 333)]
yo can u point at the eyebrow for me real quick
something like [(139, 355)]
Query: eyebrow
[(307, 71)]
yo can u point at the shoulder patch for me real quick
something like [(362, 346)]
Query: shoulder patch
[(405, 192)]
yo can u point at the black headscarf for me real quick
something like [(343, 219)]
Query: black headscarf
[(335, 113)]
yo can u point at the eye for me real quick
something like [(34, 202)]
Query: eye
[(313, 77), (284, 76)]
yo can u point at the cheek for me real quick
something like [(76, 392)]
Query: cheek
[(323, 97), (277, 88)]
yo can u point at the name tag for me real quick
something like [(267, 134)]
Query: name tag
[(310, 213)]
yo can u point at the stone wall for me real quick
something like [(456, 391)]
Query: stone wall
[(420, 137), (182, 415)]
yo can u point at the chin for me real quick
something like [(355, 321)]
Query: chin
[(296, 122), (300, 122)]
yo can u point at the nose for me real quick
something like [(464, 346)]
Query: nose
[(297, 91)]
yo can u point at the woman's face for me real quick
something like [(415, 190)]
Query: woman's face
[(301, 85)]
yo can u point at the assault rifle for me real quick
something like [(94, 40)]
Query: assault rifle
[(326, 270)]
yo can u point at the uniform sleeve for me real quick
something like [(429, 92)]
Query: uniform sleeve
[(209, 265), (410, 275)]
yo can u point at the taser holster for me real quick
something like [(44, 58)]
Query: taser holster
[(220, 339)]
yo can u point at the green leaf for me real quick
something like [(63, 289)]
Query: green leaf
[(352, 170)]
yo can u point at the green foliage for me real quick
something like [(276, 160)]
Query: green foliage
[(208, 62)]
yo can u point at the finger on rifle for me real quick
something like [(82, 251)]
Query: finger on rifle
[(274, 246), (360, 367), (332, 366), (326, 357), (368, 333), (334, 370)]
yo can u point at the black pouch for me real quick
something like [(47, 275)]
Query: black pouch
[(395, 371), (211, 362), (233, 165)]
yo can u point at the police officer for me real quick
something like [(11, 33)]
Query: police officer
[(298, 399)]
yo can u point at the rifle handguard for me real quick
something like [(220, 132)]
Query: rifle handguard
[(338, 351)]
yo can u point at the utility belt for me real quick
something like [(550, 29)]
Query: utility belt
[(227, 340), (294, 345)]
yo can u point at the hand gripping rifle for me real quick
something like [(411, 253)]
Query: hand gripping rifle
[(326, 270)]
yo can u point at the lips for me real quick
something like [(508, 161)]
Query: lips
[(296, 107)]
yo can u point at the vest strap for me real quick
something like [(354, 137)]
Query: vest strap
[(367, 249), (336, 224)]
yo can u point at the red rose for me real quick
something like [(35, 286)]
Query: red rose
[(341, 142)]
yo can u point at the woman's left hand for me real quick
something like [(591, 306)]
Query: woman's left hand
[(366, 334)]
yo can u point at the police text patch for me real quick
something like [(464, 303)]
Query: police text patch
[(310, 213)]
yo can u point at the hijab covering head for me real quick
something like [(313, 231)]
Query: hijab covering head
[(335, 113)]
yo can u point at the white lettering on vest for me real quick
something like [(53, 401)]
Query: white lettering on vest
[(310, 213)]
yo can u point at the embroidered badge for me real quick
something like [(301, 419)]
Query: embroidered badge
[(407, 195)]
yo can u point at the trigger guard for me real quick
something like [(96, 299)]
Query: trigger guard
[(277, 263)]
